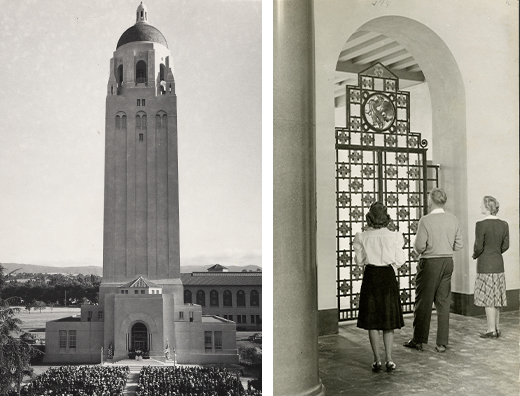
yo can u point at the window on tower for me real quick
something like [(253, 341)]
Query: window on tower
[(138, 102), (120, 75), (140, 72), (142, 101), (162, 69), (141, 137)]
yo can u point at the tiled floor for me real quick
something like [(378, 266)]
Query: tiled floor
[(471, 365)]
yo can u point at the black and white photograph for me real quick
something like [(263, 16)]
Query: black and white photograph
[(131, 205), (395, 197), (237, 197)]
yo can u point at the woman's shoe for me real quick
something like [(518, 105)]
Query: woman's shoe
[(499, 333), (390, 366), (491, 334), (376, 367)]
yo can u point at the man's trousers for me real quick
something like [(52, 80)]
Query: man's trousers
[(433, 285)]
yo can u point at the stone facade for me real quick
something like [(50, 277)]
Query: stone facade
[(141, 294), (236, 296)]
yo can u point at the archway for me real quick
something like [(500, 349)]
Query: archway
[(449, 141), (448, 144), (139, 336), (141, 76)]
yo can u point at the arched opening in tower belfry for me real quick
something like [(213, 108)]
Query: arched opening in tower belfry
[(161, 72), (120, 76), (140, 72)]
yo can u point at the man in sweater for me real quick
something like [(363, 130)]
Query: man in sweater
[(438, 236)]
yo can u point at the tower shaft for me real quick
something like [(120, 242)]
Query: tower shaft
[(141, 217)]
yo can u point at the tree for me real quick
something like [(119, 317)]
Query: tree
[(15, 355), (85, 301), (250, 355), (39, 305)]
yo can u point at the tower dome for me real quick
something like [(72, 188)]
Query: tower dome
[(142, 31)]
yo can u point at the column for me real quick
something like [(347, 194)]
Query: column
[(295, 285)]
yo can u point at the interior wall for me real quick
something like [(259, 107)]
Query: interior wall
[(474, 117), (421, 113)]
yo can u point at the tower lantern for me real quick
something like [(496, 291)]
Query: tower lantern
[(141, 14)]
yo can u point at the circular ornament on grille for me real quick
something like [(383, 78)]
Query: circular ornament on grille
[(379, 112)]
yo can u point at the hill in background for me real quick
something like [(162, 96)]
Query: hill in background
[(95, 270)]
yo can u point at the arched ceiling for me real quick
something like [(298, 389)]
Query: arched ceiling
[(365, 48)]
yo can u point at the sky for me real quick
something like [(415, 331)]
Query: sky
[(54, 62)]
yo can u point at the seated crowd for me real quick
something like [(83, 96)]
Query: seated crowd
[(190, 381), (79, 381)]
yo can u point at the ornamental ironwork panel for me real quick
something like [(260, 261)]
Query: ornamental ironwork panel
[(378, 158)]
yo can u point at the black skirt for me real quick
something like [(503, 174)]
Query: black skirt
[(379, 303)]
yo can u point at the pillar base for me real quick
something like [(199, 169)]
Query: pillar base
[(319, 390), (327, 321), (462, 304)]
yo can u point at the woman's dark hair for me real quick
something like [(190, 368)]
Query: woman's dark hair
[(377, 217)]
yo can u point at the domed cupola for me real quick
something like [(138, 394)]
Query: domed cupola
[(142, 31), (141, 14)]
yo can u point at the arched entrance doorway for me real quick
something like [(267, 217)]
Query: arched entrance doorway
[(139, 337), (447, 117)]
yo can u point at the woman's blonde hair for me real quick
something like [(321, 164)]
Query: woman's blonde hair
[(491, 204)]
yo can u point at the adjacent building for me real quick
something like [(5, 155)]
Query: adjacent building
[(236, 296)]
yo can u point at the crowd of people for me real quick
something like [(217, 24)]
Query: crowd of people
[(79, 381), (190, 381)]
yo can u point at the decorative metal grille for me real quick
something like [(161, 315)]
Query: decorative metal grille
[(378, 158)]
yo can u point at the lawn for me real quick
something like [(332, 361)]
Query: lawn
[(34, 322)]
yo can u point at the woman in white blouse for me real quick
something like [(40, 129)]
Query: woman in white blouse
[(380, 252)]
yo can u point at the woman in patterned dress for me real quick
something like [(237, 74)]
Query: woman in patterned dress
[(491, 240), (380, 252)]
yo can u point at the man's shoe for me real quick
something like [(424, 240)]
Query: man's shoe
[(491, 334), (414, 345), (440, 348)]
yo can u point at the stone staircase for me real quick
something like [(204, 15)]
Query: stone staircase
[(131, 383), (135, 368)]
